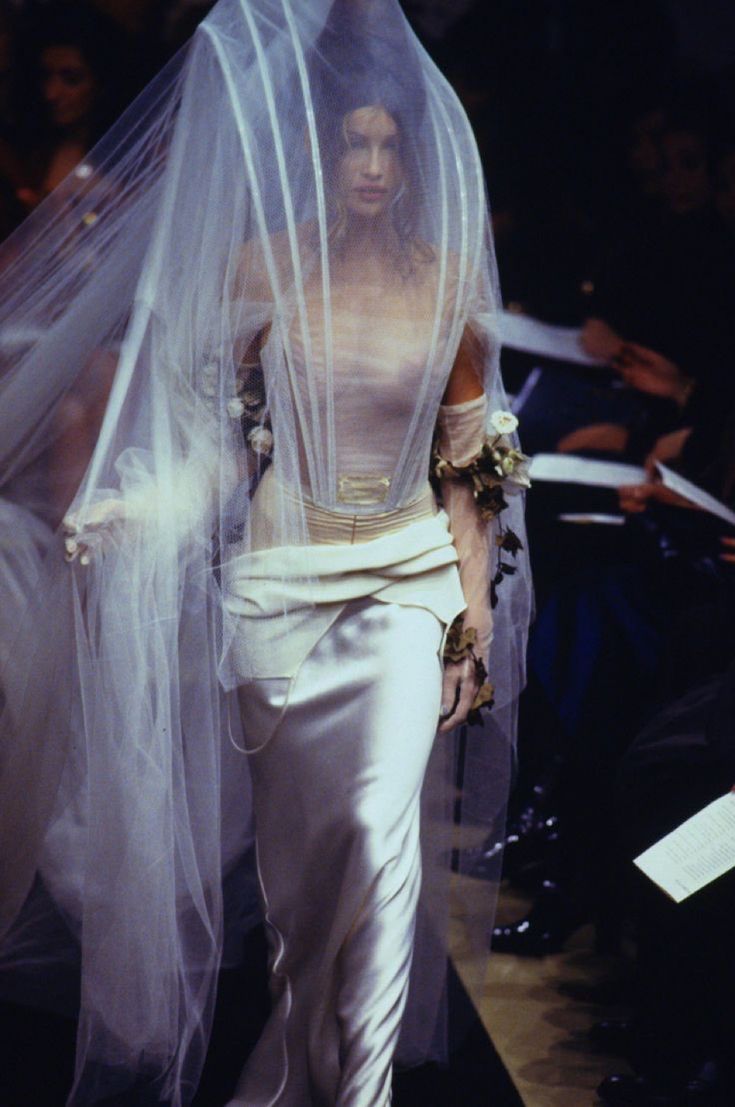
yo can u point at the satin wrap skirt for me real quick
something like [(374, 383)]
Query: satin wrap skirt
[(337, 787)]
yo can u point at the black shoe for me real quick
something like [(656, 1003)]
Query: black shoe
[(546, 928), (522, 851), (528, 843)]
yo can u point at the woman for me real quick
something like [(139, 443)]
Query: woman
[(77, 69), (366, 695), (296, 272)]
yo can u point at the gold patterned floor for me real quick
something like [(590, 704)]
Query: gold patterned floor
[(537, 1010)]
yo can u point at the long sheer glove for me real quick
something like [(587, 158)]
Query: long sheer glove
[(461, 435)]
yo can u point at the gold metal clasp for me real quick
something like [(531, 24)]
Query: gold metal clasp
[(362, 490)]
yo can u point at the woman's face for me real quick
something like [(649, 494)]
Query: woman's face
[(370, 171), (68, 85)]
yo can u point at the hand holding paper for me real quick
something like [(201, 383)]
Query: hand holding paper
[(696, 853), (695, 496), (630, 480), (652, 373), (635, 498)]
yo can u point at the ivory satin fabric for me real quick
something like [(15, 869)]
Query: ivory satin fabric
[(285, 597), (338, 731), (337, 792)]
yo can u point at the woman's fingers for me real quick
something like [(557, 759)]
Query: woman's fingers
[(634, 497), (101, 514), (651, 372), (85, 533), (459, 689), (450, 694), (82, 547)]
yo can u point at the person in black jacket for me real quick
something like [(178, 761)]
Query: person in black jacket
[(682, 1036)]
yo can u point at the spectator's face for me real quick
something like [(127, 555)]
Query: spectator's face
[(68, 85), (686, 180)]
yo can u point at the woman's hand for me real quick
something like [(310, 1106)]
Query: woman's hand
[(600, 340), (459, 688), (635, 498), (89, 532), (652, 373)]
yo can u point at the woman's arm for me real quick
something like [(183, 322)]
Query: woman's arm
[(462, 419), (465, 379)]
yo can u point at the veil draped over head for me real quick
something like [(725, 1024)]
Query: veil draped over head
[(192, 281)]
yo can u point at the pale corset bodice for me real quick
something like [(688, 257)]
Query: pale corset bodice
[(357, 394), (335, 531)]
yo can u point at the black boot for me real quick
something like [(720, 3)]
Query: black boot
[(522, 851), (551, 921)]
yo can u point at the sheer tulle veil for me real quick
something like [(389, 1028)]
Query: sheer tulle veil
[(183, 281)]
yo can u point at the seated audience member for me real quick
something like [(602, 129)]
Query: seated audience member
[(660, 313), (79, 71), (614, 640), (680, 1037)]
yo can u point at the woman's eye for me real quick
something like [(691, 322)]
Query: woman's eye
[(356, 142)]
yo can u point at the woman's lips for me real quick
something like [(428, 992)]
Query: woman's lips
[(371, 193)]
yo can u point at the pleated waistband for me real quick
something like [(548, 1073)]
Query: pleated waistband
[(337, 528)]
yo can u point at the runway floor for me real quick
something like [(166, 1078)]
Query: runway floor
[(538, 1011), (38, 1050), (527, 1048)]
